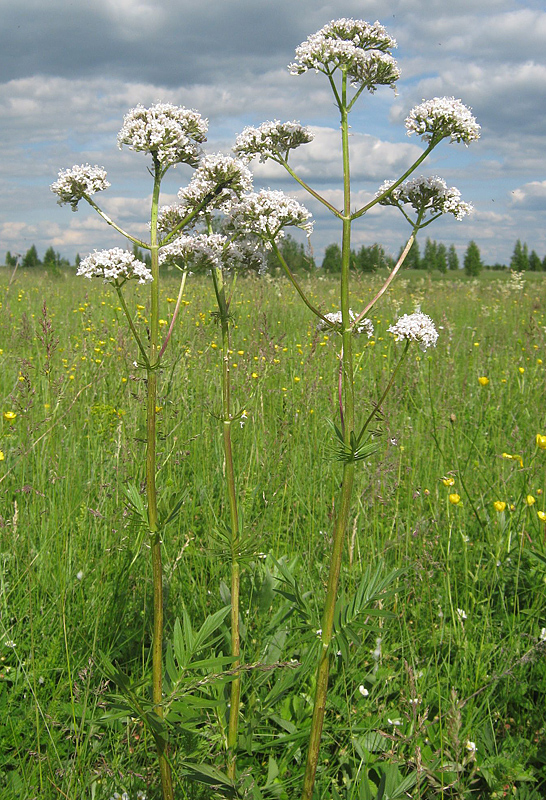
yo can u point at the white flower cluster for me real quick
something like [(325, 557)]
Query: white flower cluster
[(223, 176), (202, 251), (267, 212), (364, 326), (358, 47), (416, 327), (114, 266), (78, 182), (171, 133), (169, 217), (426, 194), (271, 139), (440, 117)]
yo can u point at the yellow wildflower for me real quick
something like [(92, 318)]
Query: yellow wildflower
[(541, 515), (9, 416), (454, 499), (1, 456), (521, 370), (541, 441), (448, 481), (530, 500), (499, 505), (483, 381)]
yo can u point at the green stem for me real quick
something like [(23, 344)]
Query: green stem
[(111, 222), (235, 698), (297, 287), (344, 507), (307, 188), (151, 496), (383, 396), (132, 326)]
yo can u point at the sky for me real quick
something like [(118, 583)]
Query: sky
[(70, 71)]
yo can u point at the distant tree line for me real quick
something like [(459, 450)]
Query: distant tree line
[(436, 256), (368, 258)]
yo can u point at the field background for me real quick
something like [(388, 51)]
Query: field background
[(459, 663)]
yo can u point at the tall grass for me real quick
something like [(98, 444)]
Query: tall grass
[(461, 661)]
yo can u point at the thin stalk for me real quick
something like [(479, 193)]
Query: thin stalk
[(344, 507), (111, 222), (297, 287), (307, 188), (132, 325), (235, 695), (383, 396), (151, 495), (175, 314)]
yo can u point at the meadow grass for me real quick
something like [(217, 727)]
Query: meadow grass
[(446, 693)]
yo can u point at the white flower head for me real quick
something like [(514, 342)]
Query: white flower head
[(359, 48), (80, 181), (223, 177), (435, 119), (416, 327), (170, 217), (202, 251), (267, 212), (471, 747), (271, 140), (363, 691), (430, 195), (364, 325), (172, 134), (114, 266)]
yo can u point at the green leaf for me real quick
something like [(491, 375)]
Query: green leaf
[(210, 776)]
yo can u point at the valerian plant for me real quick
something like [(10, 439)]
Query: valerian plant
[(356, 56), (171, 135)]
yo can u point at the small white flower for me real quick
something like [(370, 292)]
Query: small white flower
[(414, 701), (271, 140), (376, 654), (223, 177), (461, 614), (542, 636), (243, 419), (200, 251), (319, 632), (171, 133), (114, 266), (9, 643), (426, 195), (78, 182), (363, 691), (416, 327), (359, 48), (470, 746), (365, 325), (267, 212), (440, 117), (79, 575), (395, 722)]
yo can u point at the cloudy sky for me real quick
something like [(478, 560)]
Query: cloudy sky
[(70, 70)]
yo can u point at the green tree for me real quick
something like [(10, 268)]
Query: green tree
[(452, 258), (10, 261), (413, 258), (535, 264), (520, 257), (77, 260), (31, 258), (472, 260), (429, 255), (441, 258), (332, 258), (368, 259)]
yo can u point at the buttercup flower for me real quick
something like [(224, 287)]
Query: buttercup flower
[(1, 455), (530, 500), (78, 182), (499, 505), (541, 441), (514, 458), (435, 119), (171, 133), (426, 194), (9, 416), (541, 515), (483, 381), (359, 48), (448, 481), (271, 139), (455, 499), (115, 266), (416, 327), (365, 325)]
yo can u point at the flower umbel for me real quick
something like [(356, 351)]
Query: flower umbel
[(223, 176), (78, 182), (267, 212), (435, 119), (170, 133), (115, 266), (354, 46), (271, 140), (364, 325), (426, 195), (416, 327)]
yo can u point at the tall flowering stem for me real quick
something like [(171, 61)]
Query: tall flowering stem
[(235, 692), (355, 55)]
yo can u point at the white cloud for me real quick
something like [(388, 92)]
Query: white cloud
[(530, 195)]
